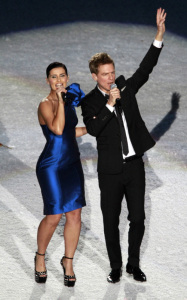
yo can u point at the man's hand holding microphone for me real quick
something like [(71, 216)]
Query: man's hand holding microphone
[(114, 95)]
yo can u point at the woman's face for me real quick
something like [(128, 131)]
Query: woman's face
[(57, 78)]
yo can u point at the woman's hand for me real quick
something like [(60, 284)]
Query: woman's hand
[(60, 91), (80, 131)]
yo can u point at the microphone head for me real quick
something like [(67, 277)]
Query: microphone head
[(113, 85)]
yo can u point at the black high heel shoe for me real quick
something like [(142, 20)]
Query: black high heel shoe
[(67, 278), (39, 276)]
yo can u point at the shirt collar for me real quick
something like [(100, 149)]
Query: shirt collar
[(102, 91)]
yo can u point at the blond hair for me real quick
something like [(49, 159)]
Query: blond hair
[(98, 59)]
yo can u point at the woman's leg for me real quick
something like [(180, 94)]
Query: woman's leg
[(45, 232), (71, 237)]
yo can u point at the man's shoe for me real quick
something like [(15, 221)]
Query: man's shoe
[(136, 272), (114, 275)]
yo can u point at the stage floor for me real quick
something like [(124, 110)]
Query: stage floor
[(163, 105)]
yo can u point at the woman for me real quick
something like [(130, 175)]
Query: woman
[(59, 170)]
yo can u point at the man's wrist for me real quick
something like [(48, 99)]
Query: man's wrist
[(110, 107), (157, 44), (159, 36)]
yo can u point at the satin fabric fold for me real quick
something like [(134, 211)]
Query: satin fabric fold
[(74, 94)]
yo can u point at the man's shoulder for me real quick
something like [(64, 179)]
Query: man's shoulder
[(92, 96), (121, 82)]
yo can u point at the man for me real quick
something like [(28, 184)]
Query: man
[(111, 114)]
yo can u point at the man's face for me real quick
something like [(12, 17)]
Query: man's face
[(105, 77)]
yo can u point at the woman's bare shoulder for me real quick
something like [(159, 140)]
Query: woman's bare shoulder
[(44, 105), (44, 100)]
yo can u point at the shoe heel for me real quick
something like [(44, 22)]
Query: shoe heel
[(40, 277), (67, 278)]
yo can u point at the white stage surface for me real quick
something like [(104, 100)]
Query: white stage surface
[(163, 104)]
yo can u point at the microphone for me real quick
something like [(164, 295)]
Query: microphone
[(113, 85), (64, 95)]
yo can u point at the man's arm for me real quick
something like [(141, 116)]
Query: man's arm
[(150, 60), (95, 122)]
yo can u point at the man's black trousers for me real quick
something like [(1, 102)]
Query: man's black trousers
[(131, 183)]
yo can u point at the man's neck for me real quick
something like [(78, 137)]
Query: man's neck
[(104, 93)]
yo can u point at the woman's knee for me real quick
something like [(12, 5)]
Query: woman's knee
[(53, 220), (74, 216)]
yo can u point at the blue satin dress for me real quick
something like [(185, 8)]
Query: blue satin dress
[(59, 170)]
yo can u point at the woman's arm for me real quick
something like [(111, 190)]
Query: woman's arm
[(80, 131), (46, 116), (55, 122)]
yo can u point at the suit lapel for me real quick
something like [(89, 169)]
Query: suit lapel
[(100, 98)]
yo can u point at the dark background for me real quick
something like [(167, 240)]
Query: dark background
[(24, 15)]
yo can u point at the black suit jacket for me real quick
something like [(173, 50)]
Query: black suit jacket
[(103, 124)]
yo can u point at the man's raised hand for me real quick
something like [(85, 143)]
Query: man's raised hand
[(160, 21)]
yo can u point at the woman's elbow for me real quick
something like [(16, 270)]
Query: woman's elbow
[(58, 131)]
